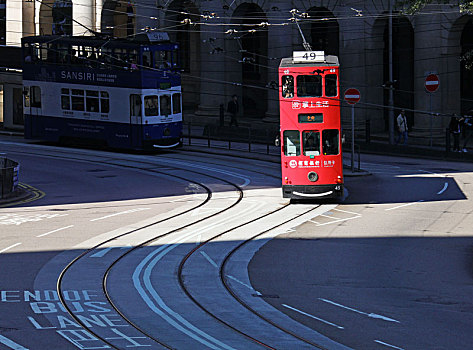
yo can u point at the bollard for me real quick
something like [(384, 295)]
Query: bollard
[(447, 141), (3, 160)]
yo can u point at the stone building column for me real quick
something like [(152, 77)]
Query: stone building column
[(83, 12), (14, 25)]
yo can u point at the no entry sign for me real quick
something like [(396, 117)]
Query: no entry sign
[(352, 96), (432, 82)]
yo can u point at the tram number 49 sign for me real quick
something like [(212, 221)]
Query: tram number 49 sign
[(432, 83), (352, 96)]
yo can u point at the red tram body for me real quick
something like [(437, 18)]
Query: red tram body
[(311, 152)]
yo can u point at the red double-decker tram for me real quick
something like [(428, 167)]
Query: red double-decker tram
[(311, 152)]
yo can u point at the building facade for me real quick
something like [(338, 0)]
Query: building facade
[(235, 46)]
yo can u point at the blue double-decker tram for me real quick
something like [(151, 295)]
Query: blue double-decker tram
[(120, 93)]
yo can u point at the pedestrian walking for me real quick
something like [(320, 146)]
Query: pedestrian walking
[(455, 129), (233, 109), (402, 127), (467, 129)]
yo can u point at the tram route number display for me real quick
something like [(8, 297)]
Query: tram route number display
[(308, 56), (311, 118)]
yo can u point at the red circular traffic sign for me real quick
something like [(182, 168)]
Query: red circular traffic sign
[(352, 96), (432, 83)]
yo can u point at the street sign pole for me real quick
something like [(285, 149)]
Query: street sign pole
[(431, 85), (352, 137)]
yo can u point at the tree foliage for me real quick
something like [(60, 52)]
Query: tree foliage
[(413, 6)]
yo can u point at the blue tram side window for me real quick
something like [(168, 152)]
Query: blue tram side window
[(331, 85), (65, 99), (292, 143), (92, 101), (77, 100), (104, 102), (330, 142), (287, 83), (309, 85), (176, 103)]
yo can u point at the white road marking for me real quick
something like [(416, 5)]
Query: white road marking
[(371, 315), (154, 301), (10, 247), (102, 252), (345, 211), (391, 346), (404, 205), (242, 283), (209, 259), (11, 344), (120, 213), (443, 189), (312, 316), (339, 220), (56, 230)]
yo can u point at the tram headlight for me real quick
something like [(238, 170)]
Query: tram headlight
[(167, 132), (312, 176)]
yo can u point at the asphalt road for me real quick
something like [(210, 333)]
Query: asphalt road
[(390, 268)]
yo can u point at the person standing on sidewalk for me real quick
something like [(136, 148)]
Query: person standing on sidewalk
[(233, 109), (455, 129), (467, 129), (402, 127)]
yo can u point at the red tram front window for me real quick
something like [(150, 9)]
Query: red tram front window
[(331, 85), (309, 85), (287, 83), (292, 143), (330, 142), (311, 143)]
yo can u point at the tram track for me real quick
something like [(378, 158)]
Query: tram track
[(181, 265)]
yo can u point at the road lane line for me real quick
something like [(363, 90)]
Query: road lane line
[(312, 316), (404, 205), (120, 213), (209, 259), (339, 220), (59, 229), (391, 346), (371, 315), (11, 344), (10, 247), (443, 189)]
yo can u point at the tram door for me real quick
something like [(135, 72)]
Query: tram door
[(136, 121), (32, 103)]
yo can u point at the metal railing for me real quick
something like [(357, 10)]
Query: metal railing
[(254, 140)]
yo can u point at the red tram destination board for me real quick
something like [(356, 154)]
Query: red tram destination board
[(432, 83), (352, 96)]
